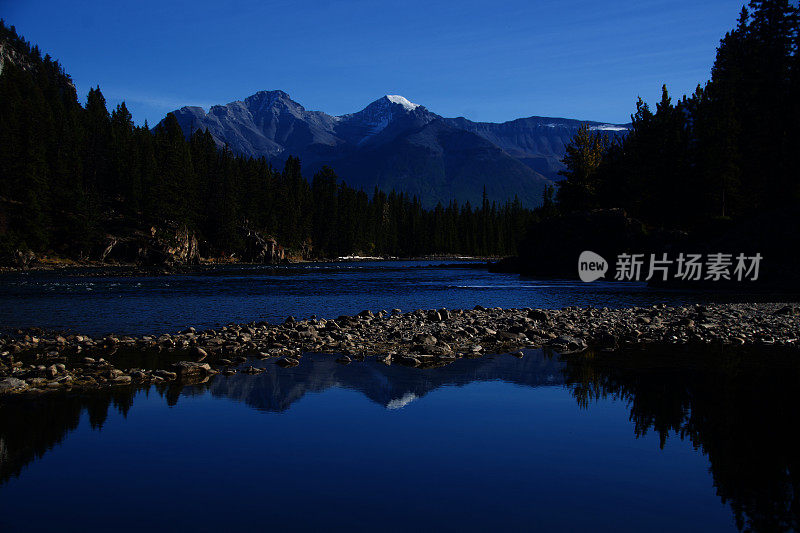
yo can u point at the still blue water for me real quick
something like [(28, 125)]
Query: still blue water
[(496, 444), (218, 296), (650, 441)]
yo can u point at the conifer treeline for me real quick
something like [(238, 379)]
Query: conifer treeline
[(70, 174), (727, 151)]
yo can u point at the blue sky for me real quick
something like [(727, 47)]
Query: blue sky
[(485, 60)]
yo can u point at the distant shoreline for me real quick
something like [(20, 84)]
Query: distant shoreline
[(132, 269)]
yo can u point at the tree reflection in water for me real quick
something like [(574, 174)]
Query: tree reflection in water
[(739, 408)]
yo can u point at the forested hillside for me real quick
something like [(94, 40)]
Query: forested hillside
[(73, 177), (725, 152), (713, 172)]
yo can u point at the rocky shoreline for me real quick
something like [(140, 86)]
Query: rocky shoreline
[(33, 362)]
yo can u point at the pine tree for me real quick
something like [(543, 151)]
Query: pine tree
[(583, 157)]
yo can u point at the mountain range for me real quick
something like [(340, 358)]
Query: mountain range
[(394, 144)]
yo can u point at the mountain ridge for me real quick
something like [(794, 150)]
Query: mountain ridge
[(394, 143)]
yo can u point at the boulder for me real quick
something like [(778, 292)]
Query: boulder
[(508, 336), (426, 340), (566, 344), (538, 315), (10, 385), (191, 368)]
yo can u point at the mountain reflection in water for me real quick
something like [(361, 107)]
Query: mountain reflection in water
[(739, 409)]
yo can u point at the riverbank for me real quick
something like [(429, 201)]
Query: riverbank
[(99, 268), (34, 361)]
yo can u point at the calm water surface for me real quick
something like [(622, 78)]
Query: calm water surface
[(622, 442), (139, 305), (496, 443)]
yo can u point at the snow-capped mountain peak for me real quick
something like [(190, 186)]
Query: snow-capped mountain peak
[(390, 112), (402, 100), (394, 143)]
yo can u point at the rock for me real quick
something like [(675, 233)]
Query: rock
[(122, 380), (566, 344), (166, 374), (261, 249), (24, 259), (253, 370), (10, 385), (787, 310), (163, 247), (287, 362), (191, 368), (199, 353), (309, 333), (344, 360), (426, 340), (538, 315), (508, 336)]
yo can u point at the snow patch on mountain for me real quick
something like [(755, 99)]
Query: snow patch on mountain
[(608, 127)]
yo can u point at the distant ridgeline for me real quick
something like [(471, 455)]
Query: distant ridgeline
[(84, 183), (395, 144), (714, 172)]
